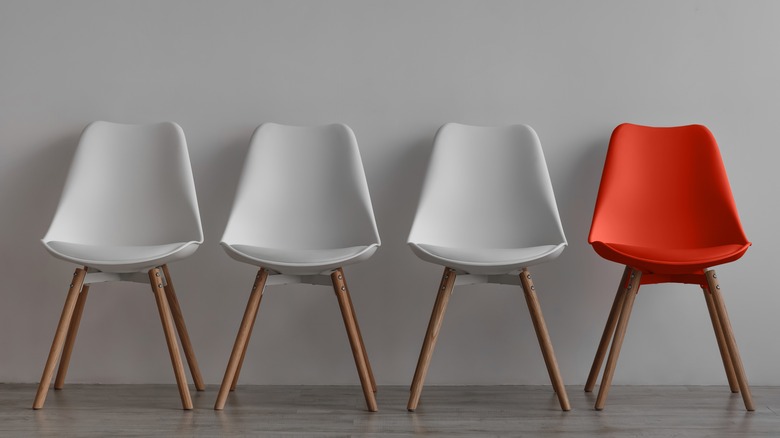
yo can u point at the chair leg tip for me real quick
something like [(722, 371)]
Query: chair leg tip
[(38, 403)]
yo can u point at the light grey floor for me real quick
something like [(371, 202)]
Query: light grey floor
[(339, 411)]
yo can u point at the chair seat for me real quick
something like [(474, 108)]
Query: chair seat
[(487, 261), (670, 260), (121, 258), (299, 261)]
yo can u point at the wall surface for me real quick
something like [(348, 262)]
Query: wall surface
[(394, 72)]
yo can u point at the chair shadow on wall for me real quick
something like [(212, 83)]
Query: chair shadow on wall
[(574, 297), (397, 198), (35, 189), (216, 179), (32, 192)]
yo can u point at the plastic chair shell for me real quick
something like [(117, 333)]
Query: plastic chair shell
[(129, 201), (487, 204), (664, 204), (302, 205)]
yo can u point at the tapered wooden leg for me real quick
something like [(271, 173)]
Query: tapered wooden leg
[(360, 335), (609, 331), (358, 350), (617, 342), (170, 337), (181, 328), (728, 334), (242, 338), (246, 347), (59, 337), (544, 339), (722, 346), (434, 326), (70, 340)]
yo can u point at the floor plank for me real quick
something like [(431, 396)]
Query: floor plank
[(339, 411)]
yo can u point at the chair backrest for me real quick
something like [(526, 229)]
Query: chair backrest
[(302, 188), (487, 187), (665, 187), (128, 185)]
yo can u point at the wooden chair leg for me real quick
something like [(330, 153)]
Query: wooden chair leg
[(181, 328), (358, 350), (736, 360), (434, 326), (242, 338), (70, 340), (544, 339), (360, 335), (617, 342), (59, 337), (170, 336), (722, 346), (609, 331), (246, 347)]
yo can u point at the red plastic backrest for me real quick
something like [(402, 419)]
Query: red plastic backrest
[(665, 188)]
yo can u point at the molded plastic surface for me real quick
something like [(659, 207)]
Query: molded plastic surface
[(129, 201), (487, 204), (302, 205), (665, 204)]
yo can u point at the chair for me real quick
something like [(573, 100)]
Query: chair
[(302, 211), (487, 212), (128, 208), (665, 210)]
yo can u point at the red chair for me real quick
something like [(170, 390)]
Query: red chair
[(665, 210)]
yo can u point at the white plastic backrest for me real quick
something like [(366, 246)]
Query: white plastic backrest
[(487, 187), (302, 188), (128, 185)]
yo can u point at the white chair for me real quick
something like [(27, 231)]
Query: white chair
[(487, 212), (128, 209), (302, 211)]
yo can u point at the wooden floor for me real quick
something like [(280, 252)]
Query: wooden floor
[(339, 411)]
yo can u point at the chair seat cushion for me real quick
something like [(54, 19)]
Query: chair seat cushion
[(299, 261), (115, 258), (670, 260), (486, 261)]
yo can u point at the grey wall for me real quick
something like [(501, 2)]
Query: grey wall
[(394, 72)]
